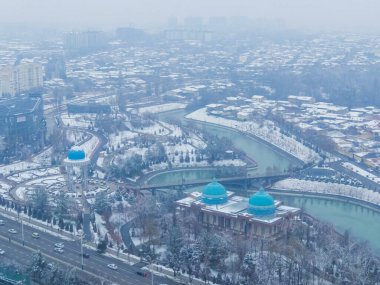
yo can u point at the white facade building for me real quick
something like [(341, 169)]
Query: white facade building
[(19, 78)]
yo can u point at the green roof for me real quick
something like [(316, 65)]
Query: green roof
[(261, 203), (214, 193)]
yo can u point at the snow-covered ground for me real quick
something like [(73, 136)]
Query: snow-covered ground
[(77, 120), (4, 189), (161, 108), (44, 158), (31, 174), (138, 239), (363, 194), (121, 138), (17, 166), (154, 129), (266, 132), (175, 131), (40, 160), (361, 172)]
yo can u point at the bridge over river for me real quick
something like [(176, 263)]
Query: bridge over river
[(244, 181)]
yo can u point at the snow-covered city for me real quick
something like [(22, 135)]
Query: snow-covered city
[(202, 150)]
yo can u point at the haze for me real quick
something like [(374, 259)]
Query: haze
[(322, 14)]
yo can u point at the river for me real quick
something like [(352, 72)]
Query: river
[(362, 221)]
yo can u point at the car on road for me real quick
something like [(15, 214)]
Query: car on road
[(112, 266), (12, 231), (142, 273), (35, 235), (85, 255), (59, 245), (2, 223), (59, 250), (2, 251)]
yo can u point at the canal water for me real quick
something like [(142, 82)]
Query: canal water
[(267, 158), (363, 222)]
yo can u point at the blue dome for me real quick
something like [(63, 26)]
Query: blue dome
[(76, 153), (261, 204), (214, 193)]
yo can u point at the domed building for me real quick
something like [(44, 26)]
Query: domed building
[(259, 216), (76, 158), (76, 153), (214, 193), (261, 204)]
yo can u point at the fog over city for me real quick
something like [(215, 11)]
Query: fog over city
[(171, 142), (310, 14)]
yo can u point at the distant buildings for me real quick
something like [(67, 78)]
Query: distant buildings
[(189, 35), (84, 41), (55, 68), (260, 216), (22, 122), (130, 34), (19, 78)]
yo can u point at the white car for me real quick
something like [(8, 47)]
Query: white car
[(2, 223), (2, 251), (35, 235), (112, 266), (12, 231), (59, 245), (59, 250)]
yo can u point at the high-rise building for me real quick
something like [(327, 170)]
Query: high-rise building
[(22, 123), (193, 23), (130, 34), (19, 78), (84, 41), (55, 68)]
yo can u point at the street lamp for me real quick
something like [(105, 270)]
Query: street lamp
[(150, 259), (22, 231), (81, 249)]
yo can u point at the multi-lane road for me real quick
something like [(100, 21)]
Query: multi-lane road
[(95, 265)]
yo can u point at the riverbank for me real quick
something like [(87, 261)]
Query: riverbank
[(336, 197), (265, 132), (256, 138), (347, 191)]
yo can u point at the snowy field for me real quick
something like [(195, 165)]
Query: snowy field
[(4, 189), (161, 108), (79, 120), (32, 174), (361, 172), (363, 194), (174, 130), (17, 166), (39, 160), (155, 129), (121, 138), (266, 132)]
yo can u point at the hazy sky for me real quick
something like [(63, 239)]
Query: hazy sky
[(106, 14)]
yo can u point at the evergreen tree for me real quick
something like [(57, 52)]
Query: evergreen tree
[(61, 223), (102, 246), (101, 203)]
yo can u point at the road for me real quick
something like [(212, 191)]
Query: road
[(96, 265), (368, 183)]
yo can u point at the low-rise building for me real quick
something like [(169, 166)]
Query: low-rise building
[(259, 216)]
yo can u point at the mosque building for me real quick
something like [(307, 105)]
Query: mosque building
[(259, 216)]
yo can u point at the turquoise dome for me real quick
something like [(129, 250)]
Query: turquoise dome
[(75, 153), (214, 193), (261, 204)]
